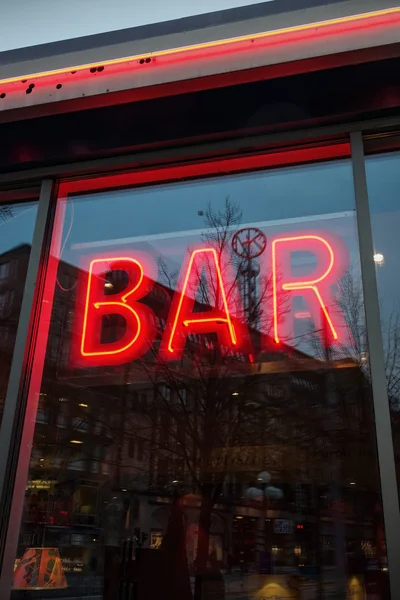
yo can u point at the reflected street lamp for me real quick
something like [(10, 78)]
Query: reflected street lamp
[(264, 477), (264, 492)]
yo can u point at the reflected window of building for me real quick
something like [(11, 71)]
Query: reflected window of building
[(77, 462), (4, 270), (6, 303), (80, 424)]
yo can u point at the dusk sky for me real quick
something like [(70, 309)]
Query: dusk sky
[(30, 22)]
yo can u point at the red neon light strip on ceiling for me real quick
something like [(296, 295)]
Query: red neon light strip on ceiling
[(309, 27)]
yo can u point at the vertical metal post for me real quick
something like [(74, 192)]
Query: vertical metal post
[(8, 424), (384, 437)]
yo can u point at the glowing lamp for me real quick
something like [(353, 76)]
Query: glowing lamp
[(264, 477), (40, 569)]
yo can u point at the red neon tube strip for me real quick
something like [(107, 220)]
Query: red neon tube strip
[(391, 15), (186, 322)]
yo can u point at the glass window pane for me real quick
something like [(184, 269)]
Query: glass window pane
[(384, 196), (17, 221), (206, 428)]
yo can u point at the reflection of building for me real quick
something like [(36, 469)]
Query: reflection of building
[(105, 463), (13, 267)]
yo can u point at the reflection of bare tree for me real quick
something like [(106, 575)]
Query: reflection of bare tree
[(391, 338), (194, 415), (350, 301), (221, 227)]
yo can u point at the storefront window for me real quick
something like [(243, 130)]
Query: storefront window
[(17, 221), (384, 196), (204, 424)]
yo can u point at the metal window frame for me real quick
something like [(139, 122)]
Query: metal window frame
[(383, 427), (13, 417), (13, 421)]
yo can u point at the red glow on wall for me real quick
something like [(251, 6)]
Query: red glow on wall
[(210, 269), (316, 288), (98, 303)]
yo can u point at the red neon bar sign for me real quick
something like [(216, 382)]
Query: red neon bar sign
[(208, 272)]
